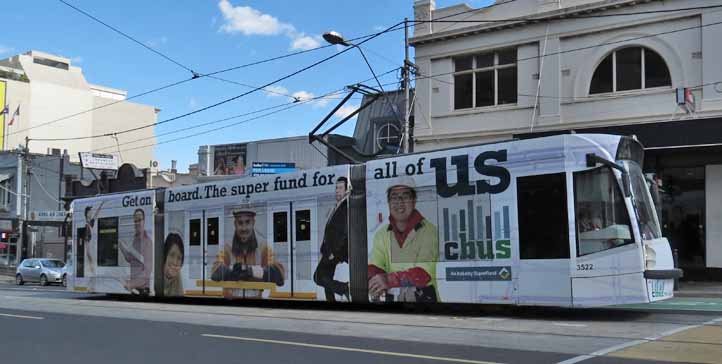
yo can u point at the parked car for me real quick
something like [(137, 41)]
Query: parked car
[(67, 268), (41, 270)]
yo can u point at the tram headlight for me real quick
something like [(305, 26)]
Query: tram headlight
[(650, 257)]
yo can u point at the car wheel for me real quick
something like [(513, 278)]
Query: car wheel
[(19, 280), (65, 280), (43, 280)]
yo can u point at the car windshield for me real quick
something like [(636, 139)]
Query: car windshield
[(648, 225), (52, 263)]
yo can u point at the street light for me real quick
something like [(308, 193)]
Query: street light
[(336, 38)]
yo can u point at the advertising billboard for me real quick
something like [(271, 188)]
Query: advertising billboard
[(229, 159)]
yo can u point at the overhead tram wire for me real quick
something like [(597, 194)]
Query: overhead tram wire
[(324, 96), (226, 100), (128, 37), (197, 76)]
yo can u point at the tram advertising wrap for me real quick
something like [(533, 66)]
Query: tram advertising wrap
[(274, 236), (114, 250), (433, 235), (557, 221)]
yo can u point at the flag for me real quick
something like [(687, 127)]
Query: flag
[(4, 111), (16, 115)]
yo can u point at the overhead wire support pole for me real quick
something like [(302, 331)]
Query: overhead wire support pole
[(405, 136)]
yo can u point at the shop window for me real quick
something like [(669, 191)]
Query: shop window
[(543, 221), (486, 79), (108, 242), (631, 68)]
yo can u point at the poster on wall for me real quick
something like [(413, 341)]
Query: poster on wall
[(269, 236), (229, 159), (434, 232), (114, 237)]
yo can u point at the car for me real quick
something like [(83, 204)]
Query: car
[(41, 270), (68, 267)]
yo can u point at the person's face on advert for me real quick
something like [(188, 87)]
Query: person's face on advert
[(173, 262), (340, 190), (401, 203), (244, 226), (138, 222)]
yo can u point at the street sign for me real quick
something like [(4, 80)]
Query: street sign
[(98, 161), (259, 168), (48, 215)]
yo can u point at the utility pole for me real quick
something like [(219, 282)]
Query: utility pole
[(406, 70), (26, 212)]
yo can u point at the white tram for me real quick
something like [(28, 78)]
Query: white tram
[(560, 221)]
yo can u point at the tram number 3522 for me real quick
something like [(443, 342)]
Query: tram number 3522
[(585, 266)]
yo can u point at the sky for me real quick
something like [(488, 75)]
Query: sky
[(211, 35)]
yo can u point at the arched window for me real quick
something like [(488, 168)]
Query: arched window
[(632, 68)]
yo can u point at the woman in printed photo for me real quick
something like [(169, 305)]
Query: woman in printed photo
[(173, 257)]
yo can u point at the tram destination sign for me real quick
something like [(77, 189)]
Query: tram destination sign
[(98, 161)]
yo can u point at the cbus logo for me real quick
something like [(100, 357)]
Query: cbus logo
[(463, 187)]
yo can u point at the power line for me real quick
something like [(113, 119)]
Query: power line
[(223, 101), (197, 76), (324, 96), (130, 38)]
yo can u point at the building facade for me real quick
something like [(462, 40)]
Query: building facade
[(47, 97), (237, 159), (535, 67)]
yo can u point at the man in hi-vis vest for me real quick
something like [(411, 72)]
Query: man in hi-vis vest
[(402, 264), (246, 258)]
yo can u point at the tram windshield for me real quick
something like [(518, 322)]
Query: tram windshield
[(602, 218), (648, 225)]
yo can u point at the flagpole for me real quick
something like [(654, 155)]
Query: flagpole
[(5, 126)]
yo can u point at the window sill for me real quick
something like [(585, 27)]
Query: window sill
[(481, 110), (620, 94)]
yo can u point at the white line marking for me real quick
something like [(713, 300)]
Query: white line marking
[(342, 348), (611, 349), (569, 325), (21, 316)]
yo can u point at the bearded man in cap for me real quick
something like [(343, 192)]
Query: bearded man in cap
[(402, 264), (246, 258)]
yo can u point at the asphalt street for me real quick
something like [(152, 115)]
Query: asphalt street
[(51, 325)]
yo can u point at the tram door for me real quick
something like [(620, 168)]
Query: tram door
[(204, 229), (544, 258), (294, 235)]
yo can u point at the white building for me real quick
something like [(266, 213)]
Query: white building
[(571, 65), (52, 97)]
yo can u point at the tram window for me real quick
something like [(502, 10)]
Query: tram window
[(108, 242), (303, 225), (195, 232), (602, 221), (280, 227), (212, 231), (80, 253), (543, 222)]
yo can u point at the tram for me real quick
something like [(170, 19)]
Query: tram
[(564, 220)]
